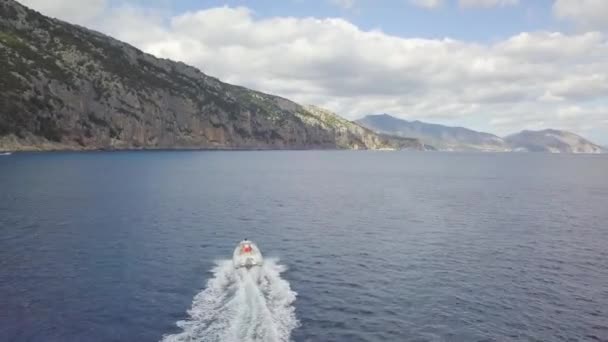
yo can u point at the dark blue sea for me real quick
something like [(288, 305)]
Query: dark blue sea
[(359, 246)]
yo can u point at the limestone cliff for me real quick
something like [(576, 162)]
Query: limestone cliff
[(66, 87)]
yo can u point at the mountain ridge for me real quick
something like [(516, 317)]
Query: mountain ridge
[(551, 140), (440, 136), (68, 87), (450, 138)]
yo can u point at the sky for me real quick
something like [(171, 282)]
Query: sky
[(498, 66)]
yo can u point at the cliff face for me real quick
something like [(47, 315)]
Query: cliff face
[(67, 87), (348, 131)]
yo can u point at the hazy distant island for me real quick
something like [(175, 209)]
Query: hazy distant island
[(463, 139), (65, 87)]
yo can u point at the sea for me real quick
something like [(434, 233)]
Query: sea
[(358, 246)]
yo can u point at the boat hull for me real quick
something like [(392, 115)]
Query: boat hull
[(247, 255)]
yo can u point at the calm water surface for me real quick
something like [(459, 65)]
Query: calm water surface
[(379, 246)]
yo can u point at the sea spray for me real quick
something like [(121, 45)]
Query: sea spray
[(241, 306)]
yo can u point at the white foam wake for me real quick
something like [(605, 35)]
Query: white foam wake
[(241, 306)]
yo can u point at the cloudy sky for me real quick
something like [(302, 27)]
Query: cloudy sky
[(493, 65)]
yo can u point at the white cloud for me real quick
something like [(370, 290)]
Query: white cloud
[(545, 46), (584, 13), (79, 12), (487, 3), (427, 3)]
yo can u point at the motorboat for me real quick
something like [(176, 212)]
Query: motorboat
[(247, 255)]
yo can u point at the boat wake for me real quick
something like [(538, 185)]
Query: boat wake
[(240, 305)]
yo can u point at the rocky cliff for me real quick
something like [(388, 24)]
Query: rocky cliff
[(67, 87)]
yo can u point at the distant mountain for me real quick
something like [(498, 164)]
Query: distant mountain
[(66, 87), (441, 137), (551, 140), (462, 139)]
